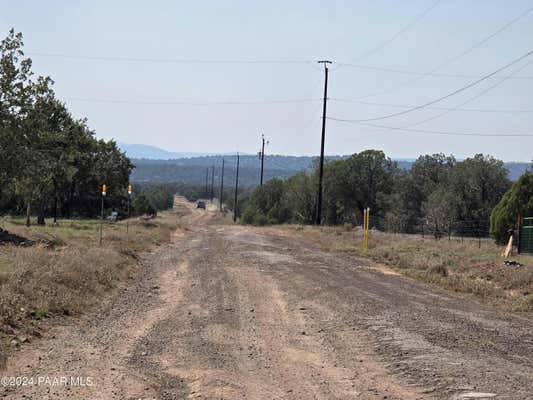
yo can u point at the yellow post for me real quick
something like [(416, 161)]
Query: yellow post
[(364, 227), (367, 226), (364, 230)]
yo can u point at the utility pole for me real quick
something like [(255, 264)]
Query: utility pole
[(207, 181), (222, 185), (321, 168), (236, 189), (262, 156), (212, 182)]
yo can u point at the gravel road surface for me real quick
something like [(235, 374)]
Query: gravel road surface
[(235, 312)]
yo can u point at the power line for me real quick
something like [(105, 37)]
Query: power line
[(462, 89), (485, 39), (191, 103), (289, 101), (406, 28), (432, 132), (168, 60), (418, 73), (469, 100), (458, 56), (481, 110), (205, 61)]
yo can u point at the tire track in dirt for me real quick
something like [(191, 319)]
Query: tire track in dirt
[(100, 346), (449, 346), (236, 335), (227, 312)]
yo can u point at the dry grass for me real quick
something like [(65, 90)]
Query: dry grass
[(466, 266), (66, 271)]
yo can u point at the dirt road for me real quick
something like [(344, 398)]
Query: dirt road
[(232, 312)]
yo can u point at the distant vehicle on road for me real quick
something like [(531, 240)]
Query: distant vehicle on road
[(113, 217), (200, 204)]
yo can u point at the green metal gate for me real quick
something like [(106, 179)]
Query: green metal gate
[(525, 244)]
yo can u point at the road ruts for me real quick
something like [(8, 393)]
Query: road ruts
[(234, 312)]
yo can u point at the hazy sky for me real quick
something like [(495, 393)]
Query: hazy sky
[(113, 94)]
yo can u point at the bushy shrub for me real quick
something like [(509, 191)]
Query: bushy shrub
[(268, 205), (142, 205), (517, 201)]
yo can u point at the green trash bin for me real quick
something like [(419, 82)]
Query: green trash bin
[(525, 244)]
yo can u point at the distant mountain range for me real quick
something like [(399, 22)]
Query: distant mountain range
[(148, 152), (153, 164)]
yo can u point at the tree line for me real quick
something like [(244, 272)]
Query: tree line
[(438, 195), (193, 170), (52, 164)]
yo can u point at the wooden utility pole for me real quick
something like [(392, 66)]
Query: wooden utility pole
[(207, 181), (222, 185), (321, 167), (235, 202), (212, 182), (262, 156)]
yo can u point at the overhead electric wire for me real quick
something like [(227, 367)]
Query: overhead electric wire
[(456, 57), (406, 28), (169, 60), (480, 110), (418, 73), (433, 132), (476, 96), (278, 61), (191, 103), (383, 44), (462, 89)]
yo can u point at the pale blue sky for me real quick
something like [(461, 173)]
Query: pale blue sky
[(283, 30)]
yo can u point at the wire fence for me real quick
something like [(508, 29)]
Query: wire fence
[(476, 229)]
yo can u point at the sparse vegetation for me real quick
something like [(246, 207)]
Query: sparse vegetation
[(467, 265), (66, 271)]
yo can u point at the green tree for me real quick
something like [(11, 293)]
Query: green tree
[(268, 205), (478, 183), (432, 171), (439, 212), (406, 199), (517, 201), (15, 103), (300, 193), (362, 180), (413, 188), (142, 205), (34, 178), (48, 158)]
